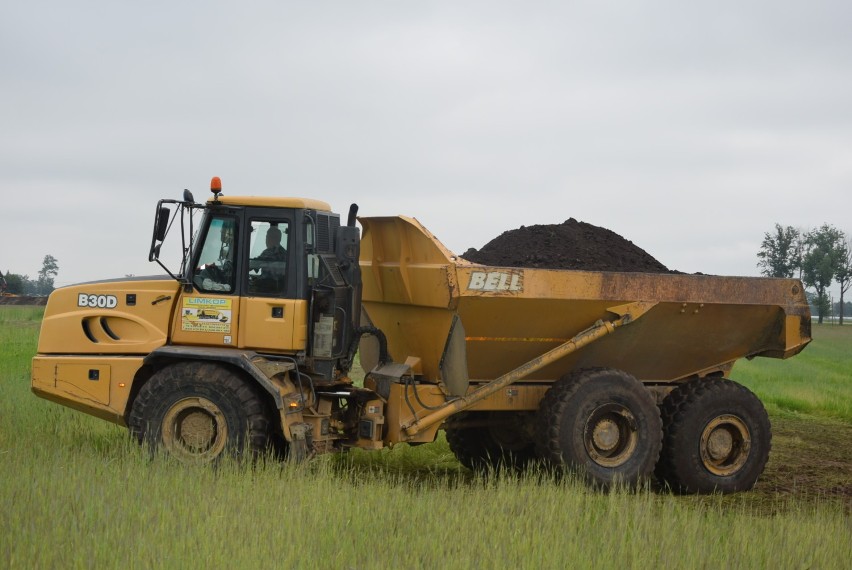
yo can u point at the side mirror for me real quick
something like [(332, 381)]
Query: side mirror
[(162, 223), (165, 215), (161, 226)]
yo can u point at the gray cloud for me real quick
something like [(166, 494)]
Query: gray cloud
[(688, 129)]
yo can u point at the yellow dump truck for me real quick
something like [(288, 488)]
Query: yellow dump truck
[(617, 376)]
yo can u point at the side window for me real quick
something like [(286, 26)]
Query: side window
[(215, 268), (267, 274)]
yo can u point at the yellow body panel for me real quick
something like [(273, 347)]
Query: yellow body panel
[(516, 398), (398, 411), (95, 336), (266, 332), (99, 317), (97, 385), (273, 202)]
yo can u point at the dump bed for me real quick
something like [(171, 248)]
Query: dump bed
[(426, 300)]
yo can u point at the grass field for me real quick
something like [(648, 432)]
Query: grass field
[(75, 492)]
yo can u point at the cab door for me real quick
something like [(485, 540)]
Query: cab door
[(209, 312), (272, 318)]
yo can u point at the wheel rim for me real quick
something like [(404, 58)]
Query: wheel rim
[(610, 435), (195, 429), (725, 445)]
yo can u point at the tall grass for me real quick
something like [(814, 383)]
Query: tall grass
[(76, 493), (74, 511)]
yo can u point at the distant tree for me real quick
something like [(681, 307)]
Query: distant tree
[(49, 270), (780, 252), (799, 253), (820, 263), (843, 275), (18, 284)]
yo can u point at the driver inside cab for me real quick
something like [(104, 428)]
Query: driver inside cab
[(269, 265)]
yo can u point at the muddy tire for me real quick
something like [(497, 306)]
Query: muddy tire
[(717, 437), (199, 412), (602, 424), (491, 440)]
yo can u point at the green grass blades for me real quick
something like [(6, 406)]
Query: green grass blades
[(75, 492), (817, 381)]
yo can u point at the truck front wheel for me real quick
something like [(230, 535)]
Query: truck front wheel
[(603, 424), (717, 437), (199, 412)]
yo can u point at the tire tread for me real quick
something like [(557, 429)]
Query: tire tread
[(212, 377), (679, 407)]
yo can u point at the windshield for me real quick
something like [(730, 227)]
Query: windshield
[(214, 269)]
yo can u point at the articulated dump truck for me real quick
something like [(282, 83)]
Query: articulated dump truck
[(618, 377)]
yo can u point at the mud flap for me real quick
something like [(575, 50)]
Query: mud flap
[(453, 363)]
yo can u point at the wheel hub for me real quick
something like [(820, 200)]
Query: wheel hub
[(606, 435), (197, 429), (725, 445), (194, 429), (720, 444), (611, 435)]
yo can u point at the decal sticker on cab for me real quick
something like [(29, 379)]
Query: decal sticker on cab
[(202, 314)]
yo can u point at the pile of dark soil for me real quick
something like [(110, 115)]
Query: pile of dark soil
[(569, 245)]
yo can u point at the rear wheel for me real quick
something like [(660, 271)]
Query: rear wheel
[(717, 437), (199, 412), (601, 423), (491, 440)]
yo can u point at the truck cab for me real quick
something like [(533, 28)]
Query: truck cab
[(248, 339), (273, 275)]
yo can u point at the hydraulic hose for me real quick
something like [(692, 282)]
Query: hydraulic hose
[(384, 357)]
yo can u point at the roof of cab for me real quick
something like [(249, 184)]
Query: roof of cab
[(274, 202)]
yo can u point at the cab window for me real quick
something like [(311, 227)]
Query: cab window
[(267, 267), (214, 270)]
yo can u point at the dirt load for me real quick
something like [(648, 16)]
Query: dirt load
[(569, 245)]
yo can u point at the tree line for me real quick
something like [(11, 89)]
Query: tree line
[(22, 284), (818, 257)]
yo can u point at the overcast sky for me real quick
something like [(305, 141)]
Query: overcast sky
[(688, 128)]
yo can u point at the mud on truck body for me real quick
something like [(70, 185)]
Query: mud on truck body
[(618, 376)]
